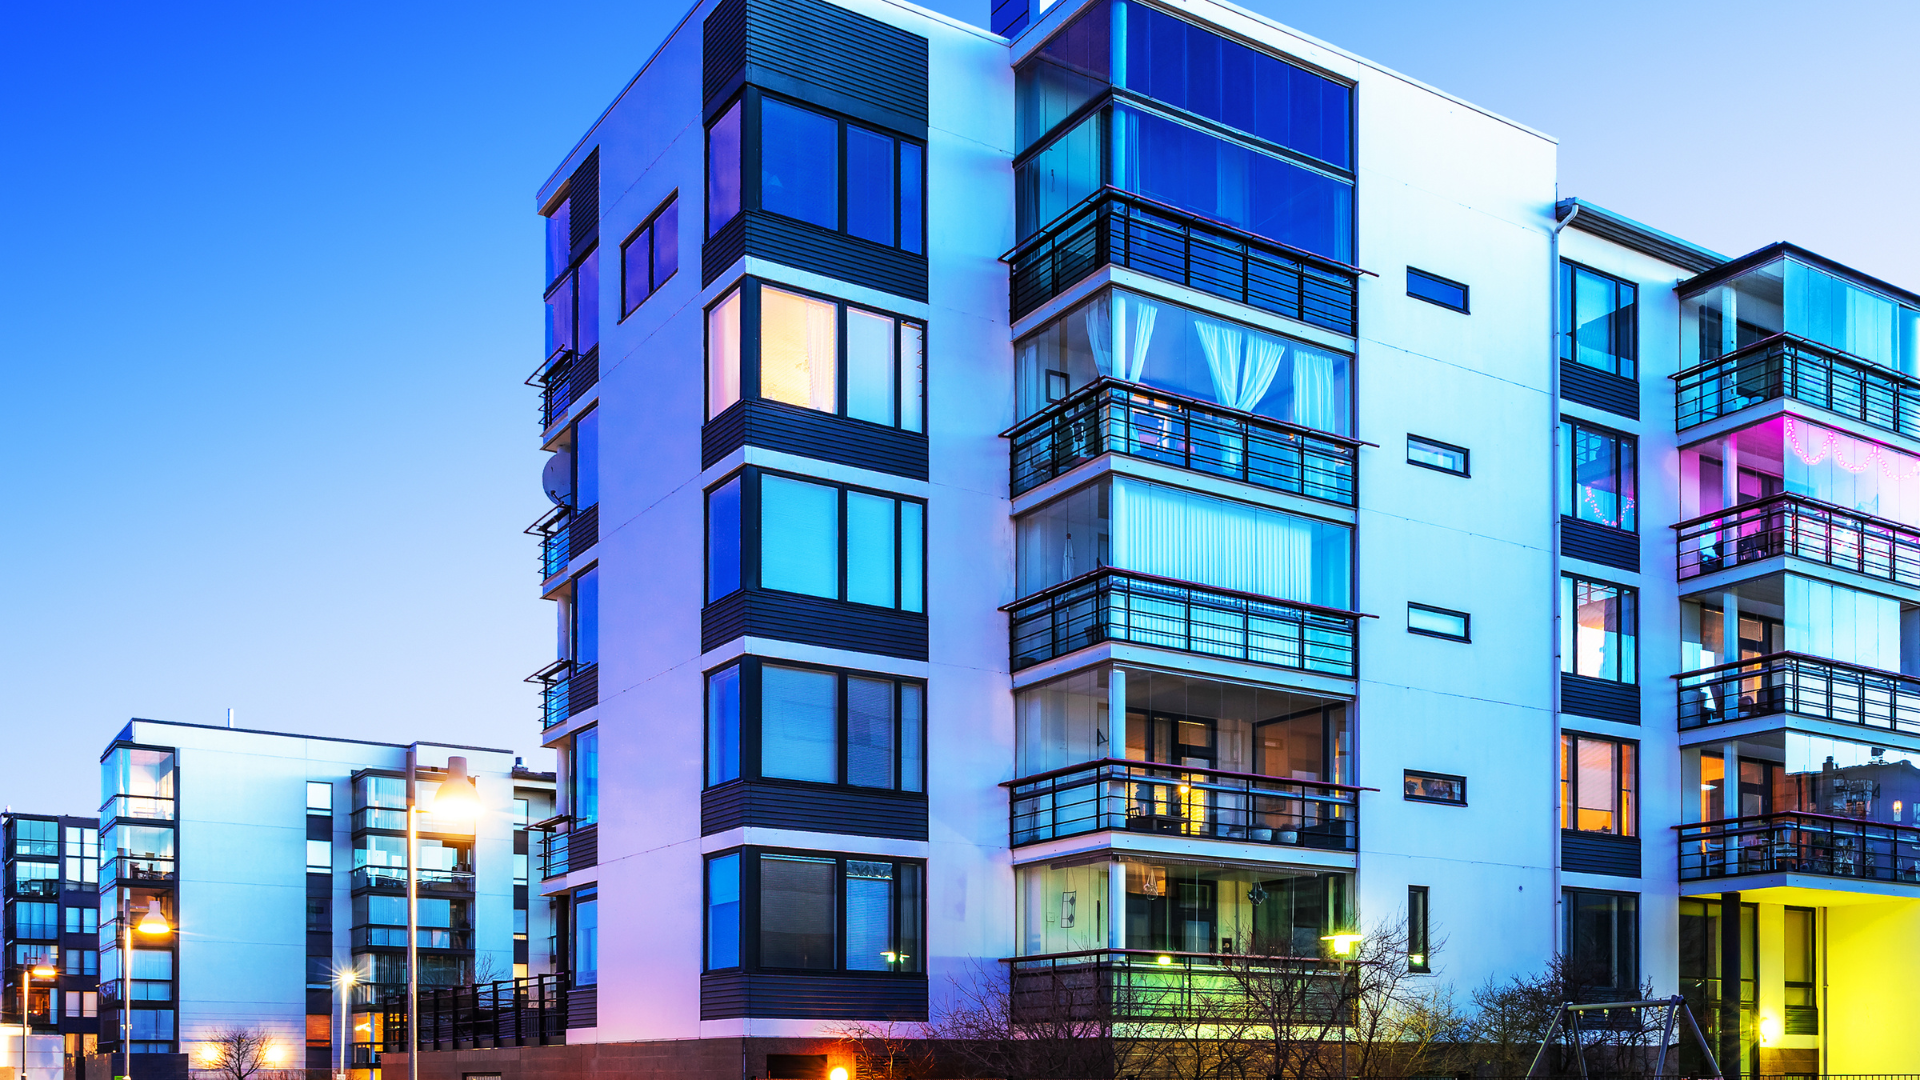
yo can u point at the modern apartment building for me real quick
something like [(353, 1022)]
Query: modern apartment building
[(51, 870), (278, 863), (1154, 487)]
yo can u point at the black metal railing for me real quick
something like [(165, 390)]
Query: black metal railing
[(552, 530), (553, 849), (395, 937), (1786, 365), (566, 689), (564, 378), (1805, 529), (1143, 609), (1123, 985), (1112, 416), (1143, 797), (531, 1011), (137, 869), (457, 880), (1800, 843), (1788, 682), (1113, 227)]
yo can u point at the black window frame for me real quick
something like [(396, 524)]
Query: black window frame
[(1466, 459), (1632, 949), (671, 205), (748, 725), (750, 536), (749, 936), (1465, 636), (1569, 318), (1626, 779), (1569, 583), (1571, 426), (751, 130), (748, 288), (1423, 774), (1419, 930), (1414, 273)]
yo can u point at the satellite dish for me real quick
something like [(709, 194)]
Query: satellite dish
[(557, 477)]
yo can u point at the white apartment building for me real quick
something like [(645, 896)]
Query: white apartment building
[(1155, 487), (278, 863)]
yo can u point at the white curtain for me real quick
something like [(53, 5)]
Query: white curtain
[(1209, 541), (1316, 398), (1243, 363), (1100, 333)]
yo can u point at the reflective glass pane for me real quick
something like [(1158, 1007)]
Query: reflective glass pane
[(723, 354), (869, 916), (723, 726), (799, 163), (798, 724), (870, 203), (912, 197), (723, 170), (870, 366), (799, 537), (870, 549), (797, 905), (870, 726), (666, 243), (723, 912), (723, 539), (913, 375)]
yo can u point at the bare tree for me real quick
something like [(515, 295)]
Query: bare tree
[(487, 969), (237, 1052), (1513, 1018), (1057, 1024), (887, 1051)]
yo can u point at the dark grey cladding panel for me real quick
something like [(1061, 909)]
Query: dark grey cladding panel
[(1600, 853), (820, 53), (583, 1007), (835, 255), (813, 807), (1600, 389), (723, 249), (1600, 544), (811, 620), (583, 848), (1600, 698), (728, 994), (778, 426)]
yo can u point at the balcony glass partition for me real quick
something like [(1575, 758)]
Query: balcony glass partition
[(1140, 340), (135, 782), (1797, 614), (1794, 456), (1790, 296), (1181, 907)]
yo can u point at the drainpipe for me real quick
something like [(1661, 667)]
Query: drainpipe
[(1553, 626)]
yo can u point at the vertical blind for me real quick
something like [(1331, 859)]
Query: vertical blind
[(797, 724), (870, 732), (796, 912), (869, 915)]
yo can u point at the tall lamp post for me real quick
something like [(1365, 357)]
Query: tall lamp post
[(27, 972), (348, 976), (1343, 948), (456, 797), (152, 924)]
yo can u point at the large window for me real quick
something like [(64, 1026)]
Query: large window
[(1598, 482), (1174, 906), (583, 620), (825, 726), (650, 256), (1598, 324), (802, 911), (584, 776), (573, 306), (1173, 533), (36, 920), (586, 937), (818, 353), (1795, 297), (1598, 779), (1603, 940), (33, 836), (1153, 343), (723, 169), (815, 539), (1598, 630)]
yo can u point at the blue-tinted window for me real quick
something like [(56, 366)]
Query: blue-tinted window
[(1183, 65), (723, 170), (559, 239), (666, 243), (1057, 178), (1597, 324), (584, 638), (586, 777), (586, 937), (586, 461), (870, 202), (723, 912), (1064, 74), (799, 163), (1435, 289), (911, 185), (649, 257), (1242, 187), (723, 726), (1599, 467), (560, 316), (723, 539)]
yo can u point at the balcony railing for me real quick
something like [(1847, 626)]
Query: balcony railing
[(137, 869), (33, 888), (1805, 529), (566, 690), (395, 937), (553, 851), (1145, 985), (1804, 685), (1800, 843), (1111, 416), (1144, 609), (565, 534), (1112, 227), (1785, 365), (136, 808), (458, 880), (564, 379), (512, 1012), (1143, 797)]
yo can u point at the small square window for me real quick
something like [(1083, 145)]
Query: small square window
[(1436, 788), (320, 855), (1437, 622), (1436, 455), (1057, 385), (319, 797), (1435, 289)]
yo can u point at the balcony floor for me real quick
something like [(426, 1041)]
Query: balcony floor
[(1128, 842)]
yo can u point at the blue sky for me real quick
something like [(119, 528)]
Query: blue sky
[(270, 287)]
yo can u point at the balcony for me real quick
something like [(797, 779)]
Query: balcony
[(1803, 528), (1114, 228), (566, 846), (136, 808), (564, 379), (1110, 416), (1800, 843), (1149, 986), (1140, 797), (512, 1012), (1789, 366), (1802, 685), (565, 534), (566, 690), (395, 937), (137, 870), (32, 888), (457, 880), (1110, 605)]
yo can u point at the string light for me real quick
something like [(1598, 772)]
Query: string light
[(1894, 465)]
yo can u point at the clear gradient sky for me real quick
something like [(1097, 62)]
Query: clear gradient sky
[(270, 287)]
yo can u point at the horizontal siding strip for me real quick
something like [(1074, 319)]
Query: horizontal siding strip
[(1600, 853), (1600, 698), (813, 808), (807, 433), (1599, 543), (841, 52), (1600, 389), (808, 247), (812, 620), (732, 994)]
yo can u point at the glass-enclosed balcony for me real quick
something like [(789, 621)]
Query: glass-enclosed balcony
[(136, 783), (1140, 797), (1799, 327)]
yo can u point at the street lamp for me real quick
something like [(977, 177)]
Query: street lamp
[(152, 924), (347, 977), (456, 797), (1344, 945), (45, 970)]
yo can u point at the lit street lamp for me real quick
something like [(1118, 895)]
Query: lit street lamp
[(348, 976), (27, 972), (456, 797), (152, 924)]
